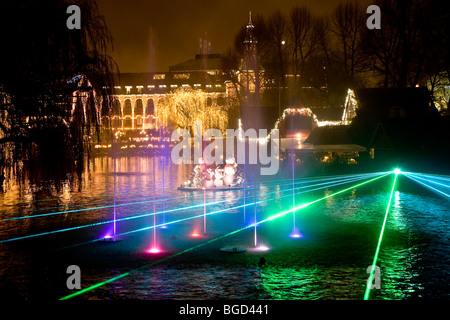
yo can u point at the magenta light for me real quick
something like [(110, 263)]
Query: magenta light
[(109, 238), (154, 250)]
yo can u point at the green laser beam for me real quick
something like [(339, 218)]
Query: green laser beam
[(217, 211), (77, 293), (148, 265), (375, 258), (144, 215), (140, 202), (323, 198)]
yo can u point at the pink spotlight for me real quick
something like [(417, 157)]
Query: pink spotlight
[(154, 250), (195, 235)]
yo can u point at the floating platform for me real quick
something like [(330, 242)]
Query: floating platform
[(233, 250), (210, 189)]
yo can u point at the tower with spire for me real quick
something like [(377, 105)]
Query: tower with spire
[(249, 76), (250, 41)]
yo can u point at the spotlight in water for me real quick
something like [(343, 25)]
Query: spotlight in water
[(295, 235), (154, 250), (109, 238), (397, 171), (164, 227), (262, 248), (195, 234)]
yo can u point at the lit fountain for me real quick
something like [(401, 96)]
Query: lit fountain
[(113, 237), (163, 151), (295, 234), (154, 248)]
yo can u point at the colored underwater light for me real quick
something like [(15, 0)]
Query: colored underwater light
[(375, 258), (154, 250), (262, 248), (195, 235), (295, 235)]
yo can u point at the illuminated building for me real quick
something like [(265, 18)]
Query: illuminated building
[(250, 73), (137, 96)]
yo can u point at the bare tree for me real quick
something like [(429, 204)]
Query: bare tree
[(277, 30), (346, 24), (57, 82), (303, 39), (411, 42)]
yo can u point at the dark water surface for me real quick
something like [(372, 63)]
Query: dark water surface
[(329, 261)]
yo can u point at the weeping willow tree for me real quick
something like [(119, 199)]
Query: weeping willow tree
[(186, 105), (55, 84)]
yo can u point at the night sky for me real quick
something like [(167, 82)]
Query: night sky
[(151, 35)]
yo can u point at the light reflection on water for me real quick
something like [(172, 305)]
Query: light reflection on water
[(329, 262)]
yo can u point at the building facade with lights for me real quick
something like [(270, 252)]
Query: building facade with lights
[(137, 96)]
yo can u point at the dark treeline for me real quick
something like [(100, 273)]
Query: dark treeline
[(335, 52), (54, 85)]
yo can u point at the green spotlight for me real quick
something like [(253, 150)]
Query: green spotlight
[(397, 171)]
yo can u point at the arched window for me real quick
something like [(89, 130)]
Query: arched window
[(117, 123), (139, 110), (116, 107), (150, 110), (105, 122), (127, 108), (127, 123), (149, 120), (138, 122), (208, 102)]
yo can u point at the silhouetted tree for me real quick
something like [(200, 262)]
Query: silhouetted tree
[(347, 22), (410, 43), (55, 82)]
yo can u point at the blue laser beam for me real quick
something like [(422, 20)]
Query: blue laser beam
[(226, 209), (428, 186), (434, 182), (149, 214), (101, 207)]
